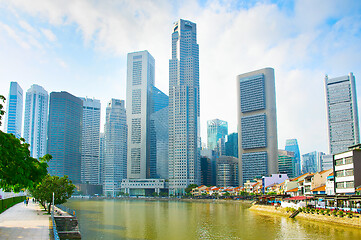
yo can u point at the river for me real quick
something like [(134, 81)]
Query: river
[(139, 219)]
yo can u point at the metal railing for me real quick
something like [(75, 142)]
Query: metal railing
[(55, 231), (66, 209)]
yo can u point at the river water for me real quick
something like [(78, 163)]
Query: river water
[(140, 219)]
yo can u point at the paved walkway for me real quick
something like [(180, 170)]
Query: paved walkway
[(24, 222)]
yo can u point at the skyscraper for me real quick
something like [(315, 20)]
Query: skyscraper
[(342, 113), (64, 135), (14, 110), (101, 157), (216, 129), (184, 138), (140, 79), (312, 162), (115, 162), (257, 125), (90, 141), (286, 163), (292, 146), (36, 120), (232, 145)]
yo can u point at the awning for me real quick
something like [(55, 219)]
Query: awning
[(299, 198)]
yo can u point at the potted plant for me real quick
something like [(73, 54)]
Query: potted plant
[(349, 215), (340, 213)]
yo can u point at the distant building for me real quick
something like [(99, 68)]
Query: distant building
[(36, 120), (273, 179), (326, 162), (311, 162), (232, 145), (90, 164), (227, 171), (206, 171), (216, 129), (14, 110), (212, 156), (292, 146), (101, 157), (342, 113), (64, 135), (286, 163), (257, 124), (115, 161)]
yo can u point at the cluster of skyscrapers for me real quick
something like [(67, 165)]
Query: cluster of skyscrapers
[(152, 141)]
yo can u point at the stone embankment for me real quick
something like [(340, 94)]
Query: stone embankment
[(345, 221)]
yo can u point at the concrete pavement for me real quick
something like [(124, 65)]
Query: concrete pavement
[(24, 222)]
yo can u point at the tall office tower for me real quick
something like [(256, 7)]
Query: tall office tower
[(64, 135), (101, 157), (36, 120), (326, 162), (286, 163), (159, 135), (184, 135), (292, 146), (343, 127), (115, 162), (14, 110), (216, 129), (90, 141), (206, 171), (140, 79), (257, 124), (227, 171), (311, 162), (232, 145)]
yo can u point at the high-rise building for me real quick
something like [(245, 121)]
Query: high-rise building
[(216, 129), (206, 171), (286, 163), (14, 110), (115, 162), (101, 157), (327, 162), (184, 136), (257, 124), (312, 162), (36, 120), (227, 171), (140, 79), (292, 146), (342, 113), (64, 135), (90, 172), (232, 145)]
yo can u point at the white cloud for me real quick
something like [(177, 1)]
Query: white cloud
[(49, 34)]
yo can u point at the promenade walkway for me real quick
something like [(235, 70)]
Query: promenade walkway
[(24, 222)]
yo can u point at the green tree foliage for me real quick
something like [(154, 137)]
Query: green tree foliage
[(2, 112), (17, 169), (62, 187), (190, 187)]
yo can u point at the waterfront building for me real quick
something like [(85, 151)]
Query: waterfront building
[(14, 110), (184, 104), (115, 160), (216, 129), (342, 113), (286, 163), (330, 184), (227, 171), (272, 179), (101, 157), (326, 162), (212, 156), (347, 170), (232, 145), (206, 171), (64, 135), (143, 186), (311, 162), (257, 125), (36, 120), (292, 146), (90, 164)]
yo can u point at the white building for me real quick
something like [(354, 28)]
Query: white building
[(36, 120), (90, 163), (14, 110), (184, 104)]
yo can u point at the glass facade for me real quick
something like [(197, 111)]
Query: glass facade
[(311, 162), (14, 110), (286, 163), (216, 129), (292, 146), (254, 165), (227, 172), (232, 145)]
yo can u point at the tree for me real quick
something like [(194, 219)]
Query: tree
[(190, 187), (17, 169), (62, 188)]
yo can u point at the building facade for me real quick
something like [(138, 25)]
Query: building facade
[(101, 157), (184, 104), (14, 110), (286, 163), (90, 163), (115, 159), (292, 146), (342, 113), (36, 120), (257, 124), (312, 162), (232, 145), (216, 129), (227, 171), (64, 135)]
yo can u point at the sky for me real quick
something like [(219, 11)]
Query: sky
[(81, 47)]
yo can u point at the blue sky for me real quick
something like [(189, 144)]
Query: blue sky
[(80, 47)]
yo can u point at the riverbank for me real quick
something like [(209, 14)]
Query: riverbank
[(345, 221)]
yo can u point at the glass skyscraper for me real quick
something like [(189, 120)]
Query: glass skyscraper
[(232, 145), (90, 141), (14, 110), (292, 146), (312, 162), (64, 135), (257, 125), (36, 120), (286, 163), (216, 129), (342, 113), (184, 138)]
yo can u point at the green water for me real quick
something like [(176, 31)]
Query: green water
[(138, 219)]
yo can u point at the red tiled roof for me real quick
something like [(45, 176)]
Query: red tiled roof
[(322, 188), (299, 177), (293, 190), (324, 171)]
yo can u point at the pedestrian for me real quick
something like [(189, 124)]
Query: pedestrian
[(27, 201)]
